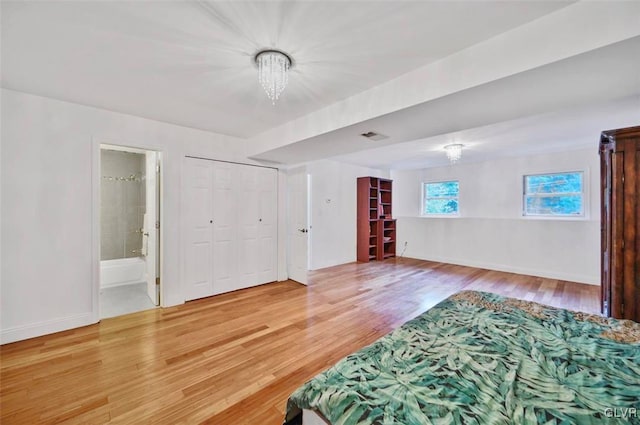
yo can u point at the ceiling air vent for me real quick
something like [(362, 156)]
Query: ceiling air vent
[(374, 136)]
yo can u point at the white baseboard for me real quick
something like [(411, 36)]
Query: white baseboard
[(332, 262), (33, 330), (589, 280)]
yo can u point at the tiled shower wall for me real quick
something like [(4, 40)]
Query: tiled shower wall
[(122, 204)]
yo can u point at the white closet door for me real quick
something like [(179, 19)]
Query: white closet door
[(230, 226), (248, 226), (267, 225), (225, 229), (198, 213)]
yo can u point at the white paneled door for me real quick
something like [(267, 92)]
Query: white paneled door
[(248, 214), (298, 227), (198, 218), (257, 226), (241, 207), (225, 228), (267, 270)]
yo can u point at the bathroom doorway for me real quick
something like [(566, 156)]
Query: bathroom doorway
[(129, 230)]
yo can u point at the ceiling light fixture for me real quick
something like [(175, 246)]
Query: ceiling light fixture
[(454, 152), (273, 72)]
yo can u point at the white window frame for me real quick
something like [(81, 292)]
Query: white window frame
[(423, 204), (583, 194)]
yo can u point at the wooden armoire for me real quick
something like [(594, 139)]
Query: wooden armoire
[(620, 218)]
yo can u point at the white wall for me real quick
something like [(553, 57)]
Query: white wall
[(333, 211), (49, 155), (491, 231)]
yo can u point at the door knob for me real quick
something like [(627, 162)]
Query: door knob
[(302, 230)]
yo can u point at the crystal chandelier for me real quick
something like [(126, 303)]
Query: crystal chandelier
[(454, 151), (273, 72)]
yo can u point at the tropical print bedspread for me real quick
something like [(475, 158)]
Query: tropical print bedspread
[(479, 358)]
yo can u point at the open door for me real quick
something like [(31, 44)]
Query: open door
[(298, 229), (151, 227)]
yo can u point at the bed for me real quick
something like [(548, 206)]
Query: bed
[(480, 358)]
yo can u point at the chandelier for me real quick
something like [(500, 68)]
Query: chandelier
[(454, 151), (273, 72)]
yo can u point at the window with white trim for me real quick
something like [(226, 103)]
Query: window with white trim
[(440, 198), (554, 194)]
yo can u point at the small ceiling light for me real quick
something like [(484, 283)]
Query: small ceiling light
[(273, 72), (454, 152)]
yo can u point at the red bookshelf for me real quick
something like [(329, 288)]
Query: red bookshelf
[(376, 228)]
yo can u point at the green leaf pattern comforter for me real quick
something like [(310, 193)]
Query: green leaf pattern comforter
[(479, 358)]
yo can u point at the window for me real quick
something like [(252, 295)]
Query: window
[(440, 198), (557, 195)]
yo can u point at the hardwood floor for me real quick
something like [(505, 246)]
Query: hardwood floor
[(235, 358)]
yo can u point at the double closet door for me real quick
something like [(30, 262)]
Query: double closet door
[(230, 226)]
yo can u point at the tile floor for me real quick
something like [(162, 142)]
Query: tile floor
[(124, 299)]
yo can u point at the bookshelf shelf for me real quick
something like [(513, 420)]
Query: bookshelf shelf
[(376, 228)]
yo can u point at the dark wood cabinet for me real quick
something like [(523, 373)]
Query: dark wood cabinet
[(376, 229), (620, 222)]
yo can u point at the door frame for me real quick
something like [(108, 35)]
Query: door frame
[(96, 171), (152, 230)]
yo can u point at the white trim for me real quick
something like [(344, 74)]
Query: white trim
[(95, 232), (161, 161), (589, 280), (33, 330), (182, 271), (283, 270)]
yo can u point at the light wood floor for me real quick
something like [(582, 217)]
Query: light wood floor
[(235, 358)]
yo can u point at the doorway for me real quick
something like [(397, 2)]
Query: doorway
[(129, 230)]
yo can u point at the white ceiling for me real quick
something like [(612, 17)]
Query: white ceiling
[(566, 130), (573, 99), (190, 63)]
